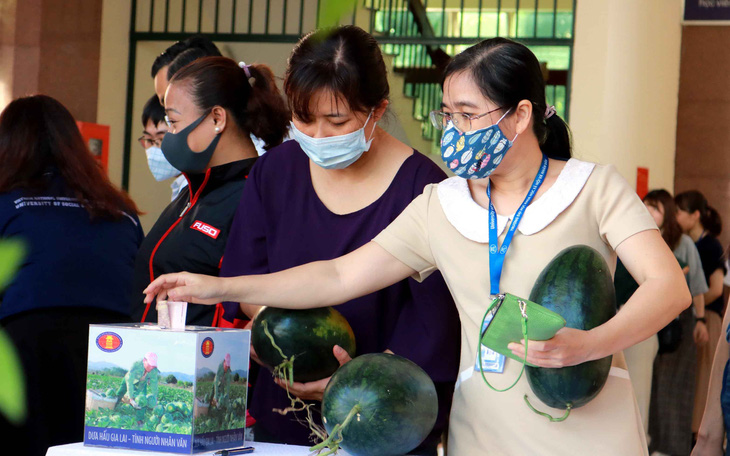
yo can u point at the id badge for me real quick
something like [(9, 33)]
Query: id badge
[(491, 360)]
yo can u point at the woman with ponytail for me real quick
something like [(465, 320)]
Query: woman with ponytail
[(703, 224), (511, 156), (673, 381), (213, 106)]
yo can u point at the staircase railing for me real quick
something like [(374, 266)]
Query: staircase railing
[(423, 34)]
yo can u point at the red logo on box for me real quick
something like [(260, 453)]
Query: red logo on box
[(206, 347), (206, 229), (109, 342)]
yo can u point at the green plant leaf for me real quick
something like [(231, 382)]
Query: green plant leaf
[(12, 385), (332, 11), (12, 253)]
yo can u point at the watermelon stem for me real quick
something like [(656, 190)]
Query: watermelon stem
[(335, 438), (285, 370), (547, 415)]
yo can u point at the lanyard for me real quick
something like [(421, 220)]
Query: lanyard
[(497, 254)]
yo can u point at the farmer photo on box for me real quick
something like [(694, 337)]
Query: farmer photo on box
[(140, 385), (222, 384)]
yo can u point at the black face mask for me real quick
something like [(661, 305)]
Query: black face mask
[(176, 150)]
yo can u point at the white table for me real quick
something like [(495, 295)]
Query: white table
[(78, 449)]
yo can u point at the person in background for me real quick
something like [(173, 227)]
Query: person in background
[(337, 185), (640, 357), (715, 426), (155, 127), (673, 383), (494, 102), (159, 70), (81, 233), (190, 55), (703, 224), (212, 105)]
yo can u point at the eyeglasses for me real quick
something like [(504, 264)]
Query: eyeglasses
[(461, 120), (149, 142)]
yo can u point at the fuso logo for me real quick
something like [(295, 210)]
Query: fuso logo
[(206, 229), (109, 342), (206, 347)]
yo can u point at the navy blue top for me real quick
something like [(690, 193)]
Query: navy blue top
[(281, 223), (72, 261), (712, 256)]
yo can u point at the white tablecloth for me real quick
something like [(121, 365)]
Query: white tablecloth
[(78, 449)]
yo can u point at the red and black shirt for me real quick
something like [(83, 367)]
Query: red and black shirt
[(191, 235)]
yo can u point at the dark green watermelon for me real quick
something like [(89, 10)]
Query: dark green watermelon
[(307, 335), (396, 399), (578, 285)]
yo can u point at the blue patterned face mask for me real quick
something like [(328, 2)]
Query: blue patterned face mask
[(475, 154)]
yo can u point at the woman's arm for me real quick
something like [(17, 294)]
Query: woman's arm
[(715, 284), (661, 296), (318, 284), (712, 430)]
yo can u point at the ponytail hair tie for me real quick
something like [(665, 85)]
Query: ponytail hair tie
[(245, 69), (549, 112)]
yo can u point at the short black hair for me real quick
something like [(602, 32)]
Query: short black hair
[(345, 61), (153, 111), (197, 41)]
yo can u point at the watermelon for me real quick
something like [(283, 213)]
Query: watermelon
[(111, 393), (304, 336), (390, 401), (141, 401), (578, 285)]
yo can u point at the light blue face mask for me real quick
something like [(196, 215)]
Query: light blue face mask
[(334, 152), (159, 166)]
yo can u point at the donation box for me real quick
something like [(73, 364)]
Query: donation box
[(170, 390)]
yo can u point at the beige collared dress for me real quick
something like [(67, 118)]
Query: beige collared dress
[(445, 229)]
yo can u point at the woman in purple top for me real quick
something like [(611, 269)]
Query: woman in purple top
[(327, 193)]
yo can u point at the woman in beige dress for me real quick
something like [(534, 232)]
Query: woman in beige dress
[(497, 124)]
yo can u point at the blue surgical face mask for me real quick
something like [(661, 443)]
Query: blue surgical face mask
[(475, 154), (159, 166), (334, 152)]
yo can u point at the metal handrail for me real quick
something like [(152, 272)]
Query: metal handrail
[(419, 34)]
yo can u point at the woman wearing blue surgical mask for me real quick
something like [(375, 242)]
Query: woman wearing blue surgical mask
[(517, 201), (331, 190), (212, 107), (155, 127)]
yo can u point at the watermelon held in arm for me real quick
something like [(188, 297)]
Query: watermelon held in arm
[(298, 344), (578, 285), (378, 404)]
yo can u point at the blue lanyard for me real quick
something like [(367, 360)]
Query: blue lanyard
[(497, 254)]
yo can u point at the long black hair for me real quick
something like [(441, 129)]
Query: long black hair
[(254, 102), (507, 72), (694, 200), (671, 231)]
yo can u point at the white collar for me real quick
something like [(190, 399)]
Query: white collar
[(471, 220)]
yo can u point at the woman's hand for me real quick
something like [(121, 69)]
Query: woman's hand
[(568, 347), (184, 286), (700, 333), (706, 447), (314, 390)]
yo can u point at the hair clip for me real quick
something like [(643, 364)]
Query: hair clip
[(245, 69), (549, 111)]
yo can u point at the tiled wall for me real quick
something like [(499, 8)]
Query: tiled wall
[(703, 118)]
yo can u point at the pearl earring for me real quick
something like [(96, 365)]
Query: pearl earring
[(217, 129)]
